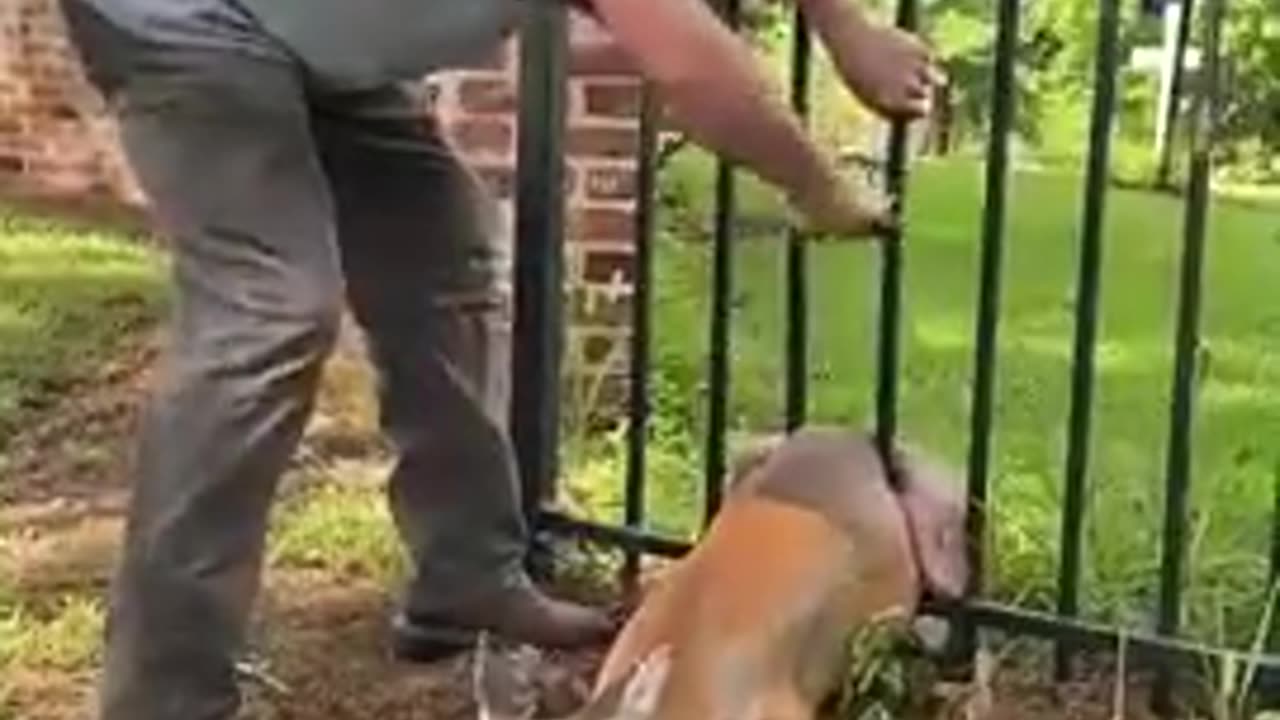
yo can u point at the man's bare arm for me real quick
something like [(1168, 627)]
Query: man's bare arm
[(717, 92)]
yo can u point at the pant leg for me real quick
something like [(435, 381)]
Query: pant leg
[(424, 265), (220, 143)]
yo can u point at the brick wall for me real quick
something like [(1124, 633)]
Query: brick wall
[(55, 141), (51, 140)]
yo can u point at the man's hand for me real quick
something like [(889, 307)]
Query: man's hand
[(834, 209), (891, 71)]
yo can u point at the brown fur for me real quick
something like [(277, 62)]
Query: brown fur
[(811, 542)]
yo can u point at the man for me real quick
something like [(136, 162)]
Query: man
[(293, 172)]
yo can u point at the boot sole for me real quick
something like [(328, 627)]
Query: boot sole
[(422, 643)]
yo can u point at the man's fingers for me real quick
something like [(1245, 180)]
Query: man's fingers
[(935, 75), (916, 105), (919, 89)]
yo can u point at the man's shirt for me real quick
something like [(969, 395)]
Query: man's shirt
[(348, 43)]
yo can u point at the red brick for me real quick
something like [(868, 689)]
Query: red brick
[(61, 110), (487, 95), (611, 183), (603, 225), (604, 142), (607, 266), (483, 135), (599, 58), (11, 164), (23, 67), (46, 95), (613, 99)]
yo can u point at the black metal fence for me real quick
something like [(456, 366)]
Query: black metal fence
[(539, 331)]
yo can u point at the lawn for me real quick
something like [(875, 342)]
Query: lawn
[(1237, 435), (71, 301), (68, 296)]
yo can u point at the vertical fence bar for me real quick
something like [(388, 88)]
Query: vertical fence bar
[(638, 408), (908, 18), (1273, 578), (797, 391), (1003, 112), (1106, 64), (539, 221), (721, 305), (1275, 528), (1187, 345)]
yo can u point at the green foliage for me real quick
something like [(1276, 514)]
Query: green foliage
[(1251, 120), (67, 299), (595, 464), (885, 675), (1055, 76)]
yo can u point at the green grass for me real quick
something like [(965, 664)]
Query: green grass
[(345, 529), (67, 298), (66, 637), (1237, 435)]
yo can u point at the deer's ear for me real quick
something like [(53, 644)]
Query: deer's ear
[(935, 513), (503, 681), (635, 694)]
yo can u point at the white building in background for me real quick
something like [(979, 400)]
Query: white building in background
[(1162, 60)]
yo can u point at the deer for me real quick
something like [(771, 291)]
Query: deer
[(820, 534)]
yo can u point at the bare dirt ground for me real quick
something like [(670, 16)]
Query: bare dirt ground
[(321, 635)]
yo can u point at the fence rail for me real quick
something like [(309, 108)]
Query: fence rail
[(539, 326)]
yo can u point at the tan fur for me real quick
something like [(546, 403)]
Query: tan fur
[(810, 543)]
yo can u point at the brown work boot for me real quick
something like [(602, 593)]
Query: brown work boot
[(520, 614)]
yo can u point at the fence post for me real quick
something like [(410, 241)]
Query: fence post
[(639, 405), (796, 401), (1106, 66), (896, 172), (1187, 345), (539, 218), (721, 310), (1003, 111)]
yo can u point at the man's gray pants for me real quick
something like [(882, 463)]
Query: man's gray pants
[(282, 201)]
